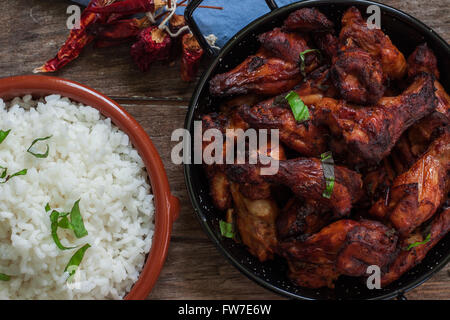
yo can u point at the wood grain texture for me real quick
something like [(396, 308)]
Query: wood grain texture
[(32, 32)]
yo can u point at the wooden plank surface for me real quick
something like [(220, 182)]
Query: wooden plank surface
[(32, 32)]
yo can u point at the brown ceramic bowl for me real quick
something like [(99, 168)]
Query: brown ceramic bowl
[(166, 205)]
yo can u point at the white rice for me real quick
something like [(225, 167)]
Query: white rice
[(92, 160)]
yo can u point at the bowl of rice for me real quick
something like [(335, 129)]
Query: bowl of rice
[(86, 210)]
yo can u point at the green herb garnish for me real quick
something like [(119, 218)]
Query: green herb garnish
[(5, 170), (39, 155), (416, 244), (75, 261), (328, 172), (299, 109), (54, 218), (4, 277), (3, 135), (226, 229), (303, 58), (61, 220), (76, 221)]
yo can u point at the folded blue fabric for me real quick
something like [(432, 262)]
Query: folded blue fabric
[(236, 14)]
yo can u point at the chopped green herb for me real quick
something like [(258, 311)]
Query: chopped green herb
[(54, 218), (61, 220), (76, 221), (3, 174), (303, 59), (416, 244), (4, 277), (328, 172), (226, 229), (299, 109), (20, 173), (3, 135), (39, 155), (75, 261)]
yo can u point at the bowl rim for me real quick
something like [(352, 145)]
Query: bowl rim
[(166, 205), (428, 33)]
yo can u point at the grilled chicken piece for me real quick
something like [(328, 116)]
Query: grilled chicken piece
[(305, 177), (260, 74), (358, 76), (304, 137), (371, 243), (255, 220), (302, 218), (443, 100), (370, 133), (327, 43), (348, 245), (416, 140), (416, 194), (317, 85), (378, 181), (408, 256), (422, 60), (219, 185), (355, 33), (288, 46), (308, 20)]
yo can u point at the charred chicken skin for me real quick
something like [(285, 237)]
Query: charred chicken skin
[(308, 20), (358, 76), (355, 32), (413, 249), (416, 194), (261, 73), (288, 46), (385, 120), (346, 246), (305, 177), (370, 133)]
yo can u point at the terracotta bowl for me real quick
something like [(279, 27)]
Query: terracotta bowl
[(166, 205)]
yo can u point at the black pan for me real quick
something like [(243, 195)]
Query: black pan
[(406, 32)]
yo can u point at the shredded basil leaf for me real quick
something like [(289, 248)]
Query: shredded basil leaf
[(302, 59), (226, 229), (299, 109), (3, 135), (54, 218), (39, 155), (416, 244), (20, 173), (47, 207), (4, 277), (75, 261), (328, 172), (76, 221)]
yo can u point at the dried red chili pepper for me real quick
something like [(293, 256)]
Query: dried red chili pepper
[(153, 45), (130, 7), (78, 38), (119, 30), (192, 54)]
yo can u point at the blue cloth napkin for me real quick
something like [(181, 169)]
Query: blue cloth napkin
[(236, 14)]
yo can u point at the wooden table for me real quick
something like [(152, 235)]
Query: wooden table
[(33, 30)]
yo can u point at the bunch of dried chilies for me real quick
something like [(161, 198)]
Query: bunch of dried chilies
[(160, 34)]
